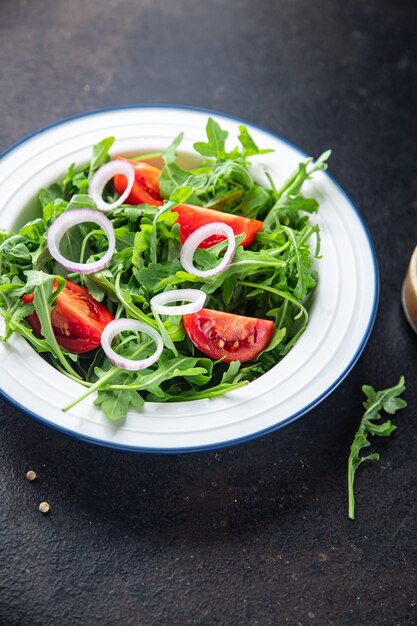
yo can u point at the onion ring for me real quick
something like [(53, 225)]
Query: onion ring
[(66, 221), (193, 241), (118, 326), (100, 179), (196, 296)]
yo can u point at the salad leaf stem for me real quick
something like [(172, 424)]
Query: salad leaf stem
[(84, 243), (146, 157), (107, 376), (113, 371), (284, 310), (302, 313), (165, 336), (282, 294), (213, 392), (160, 375), (79, 380)]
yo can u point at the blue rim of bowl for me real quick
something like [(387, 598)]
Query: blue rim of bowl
[(259, 433)]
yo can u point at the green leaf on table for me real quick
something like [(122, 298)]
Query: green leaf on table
[(376, 402)]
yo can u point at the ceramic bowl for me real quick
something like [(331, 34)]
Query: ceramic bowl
[(341, 315)]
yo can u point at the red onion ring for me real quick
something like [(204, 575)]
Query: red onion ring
[(196, 296), (100, 179), (193, 241), (118, 326), (67, 220)]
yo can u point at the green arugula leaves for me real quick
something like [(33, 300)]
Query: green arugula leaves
[(273, 279), (387, 400), (216, 139)]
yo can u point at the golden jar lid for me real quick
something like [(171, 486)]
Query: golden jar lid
[(409, 292)]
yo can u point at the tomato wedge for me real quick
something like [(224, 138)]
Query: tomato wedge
[(77, 320), (234, 337), (191, 217), (145, 189)]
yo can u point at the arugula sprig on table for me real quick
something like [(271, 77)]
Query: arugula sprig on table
[(273, 279), (387, 400)]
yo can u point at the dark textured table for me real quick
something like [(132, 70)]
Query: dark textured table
[(256, 534)]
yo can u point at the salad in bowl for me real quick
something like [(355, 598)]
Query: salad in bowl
[(146, 281)]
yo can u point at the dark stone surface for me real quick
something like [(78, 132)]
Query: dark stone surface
[(257, 534)]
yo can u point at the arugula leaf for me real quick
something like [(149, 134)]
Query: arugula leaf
[(52, 210), (167, 368), (298, 321), (44, 302), (277, 337), (81, 201), (255, 201), (15, 313), (133, 213), (387, 400), (115, 404), (216, 138), (178, 196), (172, 175), (34, 230), (234, 172), (49, 195), (211, 392), (301, 257), (288, 202), (245, 263), (16, 249), (157, 276), (170, 153), (249, 146), (100, 154), (231, 375)]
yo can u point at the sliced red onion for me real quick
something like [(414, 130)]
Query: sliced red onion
[(120, 325), (193, 241), (67, 220), (196, 296), (100, 179)]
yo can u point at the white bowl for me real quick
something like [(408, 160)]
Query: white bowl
[(341, 316)]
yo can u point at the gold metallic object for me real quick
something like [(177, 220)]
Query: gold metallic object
[(409, 292)]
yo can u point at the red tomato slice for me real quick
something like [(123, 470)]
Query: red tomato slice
[(145, 189), (235, 337), (77, 320), (191, 217)]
